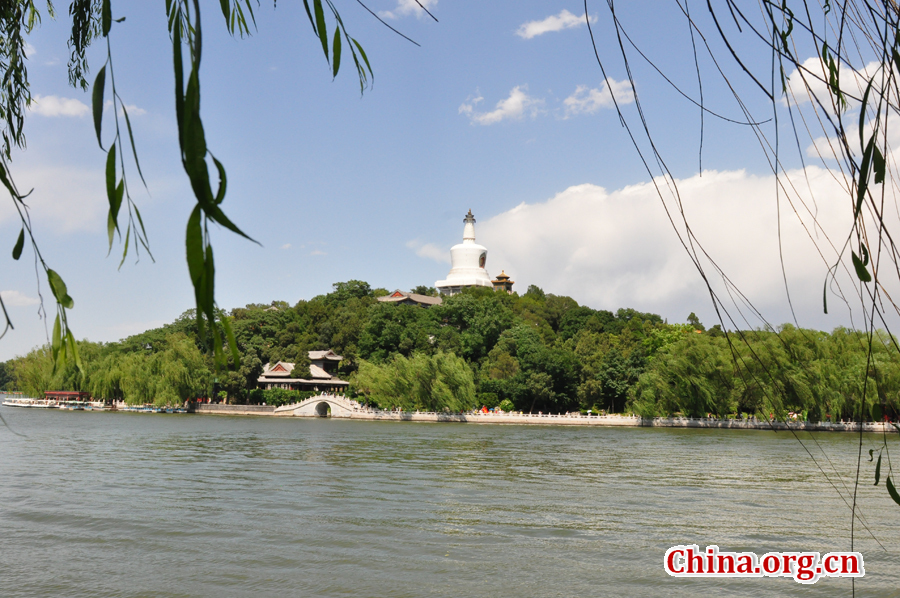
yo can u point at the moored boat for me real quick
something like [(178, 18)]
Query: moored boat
[(29, 402)]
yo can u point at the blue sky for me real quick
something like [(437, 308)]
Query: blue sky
[(502, 110)]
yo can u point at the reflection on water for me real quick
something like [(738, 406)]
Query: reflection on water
[(120, 505)]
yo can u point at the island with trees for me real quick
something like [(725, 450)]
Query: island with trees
[(535, 352)]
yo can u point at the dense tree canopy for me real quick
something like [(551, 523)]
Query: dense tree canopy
[(478, 347), (823, 377), (535, 352)]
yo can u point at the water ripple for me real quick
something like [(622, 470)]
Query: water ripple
[(123, 505)]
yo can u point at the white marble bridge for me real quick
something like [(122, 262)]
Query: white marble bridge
[(323, 405)]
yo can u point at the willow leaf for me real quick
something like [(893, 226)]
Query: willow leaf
[(97, 102), (863, 180), (891, 490), (336, 51), (54, 344), (309, 14), (223, 181), (179, 81), (878, 165), (320, 26), (133, 148), (878, 470), (861, 271), (232, 342), (106, 17), (20, 243), (59, 289), (194, 246), (125, 252)]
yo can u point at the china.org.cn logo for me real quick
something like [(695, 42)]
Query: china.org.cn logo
[(686, 560)]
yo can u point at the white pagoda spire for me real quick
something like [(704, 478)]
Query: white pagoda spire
[(469, 231), (467, 260)]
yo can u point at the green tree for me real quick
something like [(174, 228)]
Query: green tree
[(396, 329), (539, 386), (352, 289), (301, 365), (6, 376), (33, 372), (424, 290), (694, 321), (545, 378), (574, 320), (170, 375), (692, 377), (535, 293), (435, 382), (502, 365), (660, 337), (480, 316), (239, 381)]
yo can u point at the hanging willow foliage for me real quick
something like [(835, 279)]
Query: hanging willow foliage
[(94, 20), (832, 71)]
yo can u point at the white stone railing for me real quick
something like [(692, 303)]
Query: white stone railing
[(359, 411)]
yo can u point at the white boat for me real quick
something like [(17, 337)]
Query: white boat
[(29, 402), (51, 402)]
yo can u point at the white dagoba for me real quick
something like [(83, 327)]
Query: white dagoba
[(466, 263)]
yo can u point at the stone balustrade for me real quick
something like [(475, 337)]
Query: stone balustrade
[(340, 407)]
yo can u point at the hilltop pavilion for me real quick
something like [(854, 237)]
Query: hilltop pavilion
[(503, 283)]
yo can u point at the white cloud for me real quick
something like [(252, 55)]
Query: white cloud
[(64, 199), (828, 147), (53, 106), (286, 246), (564, 20), (17, 299), (430, 251), (517, 105), (317, 252), (588, 101), (619, 249), (408, 7), (468, 107), (813, 72), (29, 50), (132, 109), (822, 146)]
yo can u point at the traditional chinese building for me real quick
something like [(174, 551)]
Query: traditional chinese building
[(322, 366), (399, 296), (467, 260), (503, 283)]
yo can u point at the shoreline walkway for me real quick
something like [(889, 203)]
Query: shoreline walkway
[(339, 407)]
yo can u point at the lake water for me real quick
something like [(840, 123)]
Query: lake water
[(134, 505)]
